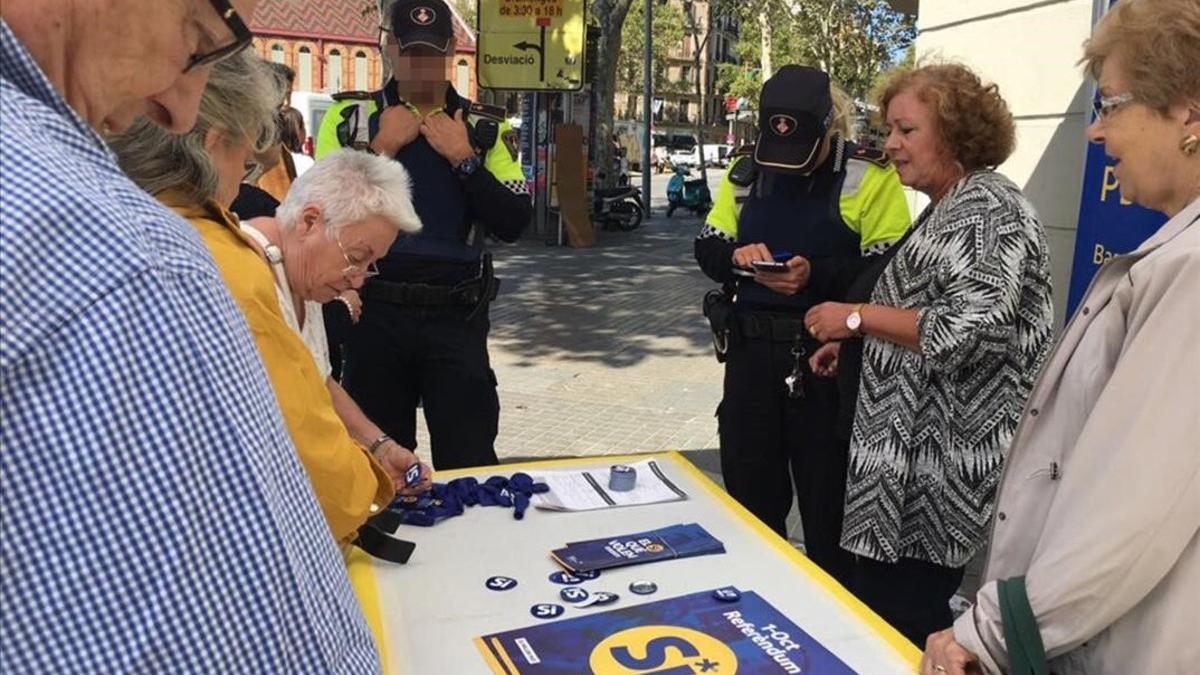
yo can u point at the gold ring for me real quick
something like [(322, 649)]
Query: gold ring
[(812, 330)]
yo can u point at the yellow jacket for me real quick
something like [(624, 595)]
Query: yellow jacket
[(349, 484)]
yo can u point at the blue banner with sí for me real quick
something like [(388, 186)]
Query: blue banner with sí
[(1108, 225), (694, 633)]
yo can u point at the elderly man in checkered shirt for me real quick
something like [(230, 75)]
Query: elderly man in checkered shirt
[(153, 514)]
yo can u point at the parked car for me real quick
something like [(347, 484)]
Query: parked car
[(717, 154), (669, 146), (684, 158)]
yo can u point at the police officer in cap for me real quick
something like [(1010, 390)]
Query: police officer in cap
[(422, 335), (795, 219)]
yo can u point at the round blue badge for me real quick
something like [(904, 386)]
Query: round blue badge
[(547, 611), (412, 476), (566, 578), (573, 594), (727, 594), (643, 587), (604, 598), (588, 575), (500, 583)]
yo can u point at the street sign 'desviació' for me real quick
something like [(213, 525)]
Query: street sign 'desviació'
[(531, 45)]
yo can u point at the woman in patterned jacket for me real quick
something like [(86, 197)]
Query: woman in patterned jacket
[(954, 334)]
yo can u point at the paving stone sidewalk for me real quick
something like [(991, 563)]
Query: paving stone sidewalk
[(604, 350)]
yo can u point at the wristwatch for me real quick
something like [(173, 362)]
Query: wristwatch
[(468, 166), (854, 320)]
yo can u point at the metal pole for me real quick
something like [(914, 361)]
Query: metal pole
[(647, 95)]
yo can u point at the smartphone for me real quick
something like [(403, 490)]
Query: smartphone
[(769, 266)]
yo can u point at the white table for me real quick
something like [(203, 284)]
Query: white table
[(427, 614)]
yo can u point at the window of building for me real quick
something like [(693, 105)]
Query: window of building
[(462, 77), (360, 71), (277, 53), (333, 74), (304, 69)]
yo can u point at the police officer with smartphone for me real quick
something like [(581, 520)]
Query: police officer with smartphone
[(422, 336), (795, 219)]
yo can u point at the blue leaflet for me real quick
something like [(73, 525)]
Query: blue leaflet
[(675, 541)]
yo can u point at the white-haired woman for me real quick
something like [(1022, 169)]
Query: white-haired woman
[(196, 174), (336, 220)]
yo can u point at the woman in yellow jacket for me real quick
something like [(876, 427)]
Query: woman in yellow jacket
[(197, 175)]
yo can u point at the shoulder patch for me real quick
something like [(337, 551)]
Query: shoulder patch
[(877, 157), (743, 171), (355, 95)]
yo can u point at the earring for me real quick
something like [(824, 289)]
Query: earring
[(1190, 144)]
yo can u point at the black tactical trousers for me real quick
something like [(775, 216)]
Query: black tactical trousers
[(771, 442), (399, 356)]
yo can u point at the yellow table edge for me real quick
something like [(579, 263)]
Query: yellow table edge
[(362, 575)]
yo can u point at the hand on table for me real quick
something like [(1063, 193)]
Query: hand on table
[(944, 656), (396, 459)]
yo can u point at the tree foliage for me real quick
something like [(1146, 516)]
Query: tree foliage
[(668, 34), (853, 40)]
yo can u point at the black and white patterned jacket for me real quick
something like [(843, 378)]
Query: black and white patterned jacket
[(931, 429)]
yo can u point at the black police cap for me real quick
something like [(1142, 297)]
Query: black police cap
[(422, 22), (795, 108)]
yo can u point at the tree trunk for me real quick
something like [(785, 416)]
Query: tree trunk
[(611, 15), (764, 22), (385, 65)]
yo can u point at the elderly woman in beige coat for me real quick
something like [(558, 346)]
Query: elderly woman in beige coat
[(1095, 556)]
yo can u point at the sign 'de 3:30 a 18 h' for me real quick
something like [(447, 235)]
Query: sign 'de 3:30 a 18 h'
[(531, 44)]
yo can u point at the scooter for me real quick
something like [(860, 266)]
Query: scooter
[(619, 207), (687, 192)]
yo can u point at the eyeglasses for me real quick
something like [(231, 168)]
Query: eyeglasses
[(250, 168), (365, 270), (1106, 105), (241, 37)]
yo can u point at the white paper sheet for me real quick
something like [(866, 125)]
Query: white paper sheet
[(588, 490)]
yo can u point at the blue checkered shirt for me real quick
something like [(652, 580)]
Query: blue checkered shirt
[(153, 514)]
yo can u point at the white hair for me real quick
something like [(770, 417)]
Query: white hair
[(350, 186)]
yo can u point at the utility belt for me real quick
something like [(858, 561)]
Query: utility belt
[(475, 293), (761, 326), (463, 294), (729, 324)]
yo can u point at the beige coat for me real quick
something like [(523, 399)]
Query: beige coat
[(1099, 506)]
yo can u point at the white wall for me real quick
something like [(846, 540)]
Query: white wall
[(1029, 48)]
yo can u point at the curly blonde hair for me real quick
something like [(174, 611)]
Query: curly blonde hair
[(1159, 44), (973, 120), (843, 116)]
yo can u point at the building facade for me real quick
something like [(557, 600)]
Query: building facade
[(333, 45), (1030, 49), (680, 107)]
